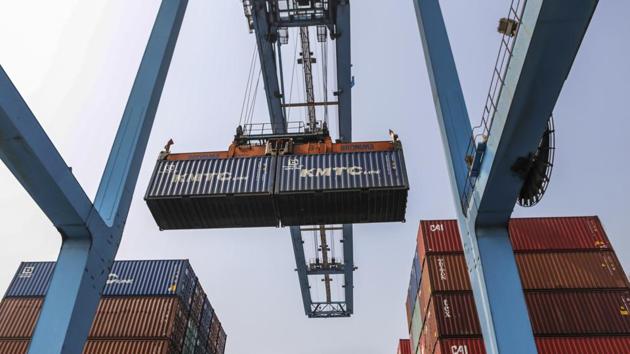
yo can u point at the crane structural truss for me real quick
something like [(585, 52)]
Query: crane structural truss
[(546, 40), (270, 21), (90, 231)]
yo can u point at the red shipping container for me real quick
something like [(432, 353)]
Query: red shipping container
[(584, 345), (450, 315), (404, 346), (571, 270), (546, 345), (459, 346), (560, 233), (438, 236), (526, 234), (559, 270), (580, 312)]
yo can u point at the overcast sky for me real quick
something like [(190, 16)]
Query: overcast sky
[(74, 63)]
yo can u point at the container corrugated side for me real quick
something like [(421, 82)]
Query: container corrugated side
[(538, 271), (545, 345), (584, 345), (127, 278), (213, 193), (31, 279), (129, 346), (558, 233), (338, 188), (580, 312), (416, 327), (222, 341), (404, 346), (585, 269), (18, 316), (101, 347), (140, 317), (438, 236), (459, 346)]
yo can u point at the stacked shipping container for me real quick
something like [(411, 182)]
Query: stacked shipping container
[(576, 291), (152, 307)]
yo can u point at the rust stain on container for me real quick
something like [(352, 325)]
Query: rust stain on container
[(438, 236), (18, 317), (591, 269), (560, 233)]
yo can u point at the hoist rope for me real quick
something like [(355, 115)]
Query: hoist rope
[(246, 96)]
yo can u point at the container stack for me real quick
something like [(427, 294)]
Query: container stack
[(147, 307), (404, 346), (576, 291)]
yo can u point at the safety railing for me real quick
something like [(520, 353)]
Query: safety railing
[(476, 147)]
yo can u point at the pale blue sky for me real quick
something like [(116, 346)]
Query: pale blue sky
[(74, 62)]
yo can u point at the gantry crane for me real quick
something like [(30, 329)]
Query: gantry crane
[(540, 41), (545, 43), (271, 21)]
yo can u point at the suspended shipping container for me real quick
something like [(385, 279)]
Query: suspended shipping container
[(404, 347), (212, 190), (354, 183), (307, 183), (127, 278)]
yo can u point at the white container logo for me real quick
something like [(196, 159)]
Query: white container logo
[(442, 268), (115, 279), (436, 227), (27, 272), (446, 308), (459, 349)]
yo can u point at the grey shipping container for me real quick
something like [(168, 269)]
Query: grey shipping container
[(341, 188), (213, 193), (127, 278)]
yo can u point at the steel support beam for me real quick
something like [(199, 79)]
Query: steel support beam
[(348, 261), (300, 267), (548, 39), (90, 233), (344, 66), (515, 334), (33, 159), (265, 39)]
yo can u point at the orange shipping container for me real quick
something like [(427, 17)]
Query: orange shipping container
[(101, 347), (18, 317), (118, 317)]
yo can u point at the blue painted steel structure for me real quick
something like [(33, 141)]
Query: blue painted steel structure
[(548, 38), (90, 232), (265, 19)]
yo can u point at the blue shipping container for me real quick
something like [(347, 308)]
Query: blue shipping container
[(127, 278), (342, 188), (213, 193)]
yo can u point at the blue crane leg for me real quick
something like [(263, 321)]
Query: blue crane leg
[(300, 267), (83, 265), (35, 162), (482, 257)]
